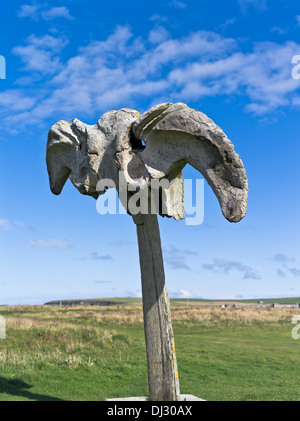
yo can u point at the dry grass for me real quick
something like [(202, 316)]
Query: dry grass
[(73, 317), (234, 314), (68, 336)]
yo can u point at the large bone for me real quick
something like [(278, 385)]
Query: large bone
[(174, 135)]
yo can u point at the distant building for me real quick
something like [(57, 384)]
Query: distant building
[(82, 303), (288, 305)]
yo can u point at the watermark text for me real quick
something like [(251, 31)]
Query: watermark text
[(2, 327), (2, 67), (155, 197), (296, 69), (296, 329)]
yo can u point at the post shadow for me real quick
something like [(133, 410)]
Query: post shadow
[(19, 388)]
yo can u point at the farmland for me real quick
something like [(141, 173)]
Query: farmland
[(91, 353)]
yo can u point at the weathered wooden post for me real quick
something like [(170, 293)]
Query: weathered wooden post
[(161, 359), (111, 154)]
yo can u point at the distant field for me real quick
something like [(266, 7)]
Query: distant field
[(199, 301), (94, 301), (175, 301), (92, 353)]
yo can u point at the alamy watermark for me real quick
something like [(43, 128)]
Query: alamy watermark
[(296, 69), (2, 67), (2, 327), (296, 329), (160, 196)]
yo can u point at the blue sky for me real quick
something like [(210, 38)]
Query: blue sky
[(232, 60)]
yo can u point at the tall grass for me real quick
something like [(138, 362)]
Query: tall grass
[(73, 336), (28, 317), (95, 352)]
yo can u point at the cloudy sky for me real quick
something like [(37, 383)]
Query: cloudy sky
[(234, 60)]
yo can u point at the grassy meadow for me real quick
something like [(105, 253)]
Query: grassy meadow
[(89, 353)]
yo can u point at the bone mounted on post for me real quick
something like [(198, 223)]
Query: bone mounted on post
[(174, 135)]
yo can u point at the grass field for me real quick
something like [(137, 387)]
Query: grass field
[(177, 301), (91, 353)]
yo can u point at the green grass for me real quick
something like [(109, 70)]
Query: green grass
[(286, 300), (177, 301), (240, 363), (91, 354), (115, 300)]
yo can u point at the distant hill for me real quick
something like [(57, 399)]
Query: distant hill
[(89, 302), (174, 301)]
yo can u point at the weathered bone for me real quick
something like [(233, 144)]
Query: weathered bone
[(174, 135)]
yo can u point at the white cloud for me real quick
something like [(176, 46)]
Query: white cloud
[(36, 12), (280, 273), (4, 224), (122, 70), (16, 101), (282, 258), (263, 75), (20, 224), (285, 261), (138, 294), (176, 258), (41, 54), (201, 45), (279, 30), (226, 266), (158, 35), (52, 244), (97, 256), (182, 293), (178, 4), (294, 271), (28, 11), (227, 23), (8, 225), (56, 12), (158, 18), (103, 282), (258, 4)]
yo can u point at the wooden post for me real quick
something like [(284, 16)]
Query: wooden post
[(161, 359)]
